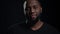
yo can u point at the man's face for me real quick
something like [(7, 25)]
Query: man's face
[(33, 9)]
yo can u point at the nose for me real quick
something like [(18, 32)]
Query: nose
[(32, 10)]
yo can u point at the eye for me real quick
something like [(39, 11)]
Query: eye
[(35, 7)]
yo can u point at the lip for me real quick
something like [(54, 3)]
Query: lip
[(33, 15)]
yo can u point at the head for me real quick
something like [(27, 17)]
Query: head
[(33, 9)]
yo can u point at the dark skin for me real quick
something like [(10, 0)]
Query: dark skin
[(33, 10)]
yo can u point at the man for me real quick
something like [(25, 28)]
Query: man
[(33, 24)]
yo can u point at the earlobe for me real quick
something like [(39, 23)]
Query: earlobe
[(41, 10)]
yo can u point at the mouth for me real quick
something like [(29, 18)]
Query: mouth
[(33, 16)]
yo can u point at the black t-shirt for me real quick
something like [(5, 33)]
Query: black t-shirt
[(22, 29)]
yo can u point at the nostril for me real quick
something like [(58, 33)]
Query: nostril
[(32, 11)]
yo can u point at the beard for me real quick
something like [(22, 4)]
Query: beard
[(31, 22)]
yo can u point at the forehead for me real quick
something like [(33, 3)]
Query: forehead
[(32, 2)]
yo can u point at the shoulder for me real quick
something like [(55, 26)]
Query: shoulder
[(50, 29), (16, 27)]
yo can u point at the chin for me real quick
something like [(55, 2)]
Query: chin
[(33, 19)]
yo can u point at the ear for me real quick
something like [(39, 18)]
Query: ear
[(41, 10)]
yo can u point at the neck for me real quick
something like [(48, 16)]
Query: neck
[(37, 26)]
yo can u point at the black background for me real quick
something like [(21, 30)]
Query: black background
[(12, 13)]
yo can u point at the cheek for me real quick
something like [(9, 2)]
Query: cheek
[(38, 11)]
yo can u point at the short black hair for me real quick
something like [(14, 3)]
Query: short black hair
[(42, 2)]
